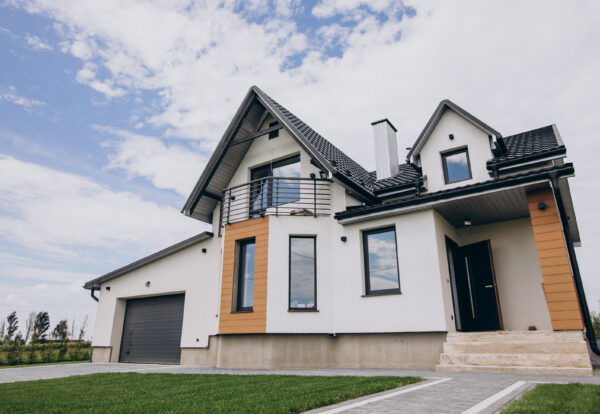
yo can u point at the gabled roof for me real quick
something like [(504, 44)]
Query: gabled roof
[(364, 185), (435, 118), (237, 139), (95, 283), (530, 145)]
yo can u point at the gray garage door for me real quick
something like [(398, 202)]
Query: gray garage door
[(152, 330)]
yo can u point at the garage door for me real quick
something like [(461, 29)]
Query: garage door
[(152, 330)]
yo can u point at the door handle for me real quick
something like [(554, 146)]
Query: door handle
[(489, 286)]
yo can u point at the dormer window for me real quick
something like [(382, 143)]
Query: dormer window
[(456, 165)]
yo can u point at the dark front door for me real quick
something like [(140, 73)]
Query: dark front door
[(152, 330), (473, 286)]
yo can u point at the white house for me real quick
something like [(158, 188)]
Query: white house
[(461, 257)]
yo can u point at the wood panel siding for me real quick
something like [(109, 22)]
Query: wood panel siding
[(231, 322), (558, 282)]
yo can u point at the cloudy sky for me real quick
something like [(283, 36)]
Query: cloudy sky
[(110, 109)]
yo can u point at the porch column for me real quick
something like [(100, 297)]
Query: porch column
[(558, 282)]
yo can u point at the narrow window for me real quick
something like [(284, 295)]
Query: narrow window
[(245, 276), (303, 273), (456, 165), (273, 134), (381, 261)]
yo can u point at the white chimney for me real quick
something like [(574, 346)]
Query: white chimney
[(386, 149)]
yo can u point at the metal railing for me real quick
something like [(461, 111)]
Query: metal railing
[(276, 196)]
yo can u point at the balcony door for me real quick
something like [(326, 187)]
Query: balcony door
[(476, 306), (274, 184)]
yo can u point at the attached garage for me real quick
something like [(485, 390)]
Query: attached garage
[(152, 330)]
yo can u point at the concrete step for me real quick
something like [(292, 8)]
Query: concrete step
[(513, 336), (516, 347), (569, 371), (522, 360)]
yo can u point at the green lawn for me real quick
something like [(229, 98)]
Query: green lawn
[(558, 398), (179, 393), (43, 363)]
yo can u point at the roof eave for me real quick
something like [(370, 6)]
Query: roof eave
[(95, 283)]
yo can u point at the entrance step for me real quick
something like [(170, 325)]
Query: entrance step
[(543, 352), (574, 372)]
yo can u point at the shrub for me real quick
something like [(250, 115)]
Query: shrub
[(46, 352)]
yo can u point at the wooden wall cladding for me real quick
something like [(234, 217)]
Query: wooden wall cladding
[(558, 282), (249, 322)]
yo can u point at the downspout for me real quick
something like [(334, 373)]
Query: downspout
[(92, 294), (589, 330)]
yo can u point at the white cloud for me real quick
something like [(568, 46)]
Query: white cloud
[(69, 216), (10, 94), (36, 43), (171, 167)]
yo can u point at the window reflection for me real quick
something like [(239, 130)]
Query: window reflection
[(381, 260), (302, 273), (456, 166), (246, 275)]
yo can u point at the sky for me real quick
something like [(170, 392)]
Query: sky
[(109, 110)]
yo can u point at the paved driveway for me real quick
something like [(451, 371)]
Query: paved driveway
[(441, 393)]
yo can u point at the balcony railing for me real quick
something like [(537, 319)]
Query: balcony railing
[(276, 196)]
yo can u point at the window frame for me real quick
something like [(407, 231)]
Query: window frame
[(290, 308), (445, 165), (365, 246), (254, 194), (240, 261)]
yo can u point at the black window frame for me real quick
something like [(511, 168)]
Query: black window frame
[(445, 165), (256, 186), (290, 308), (240, 261), (365, 245)]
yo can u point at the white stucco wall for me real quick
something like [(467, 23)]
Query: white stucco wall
[(342, 306), (465, 134), (516, 265), (188, 271)]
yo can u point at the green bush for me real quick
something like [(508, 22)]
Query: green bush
[(47, 352)]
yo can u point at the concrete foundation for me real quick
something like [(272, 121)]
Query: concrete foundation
[(101, 353), (284, 351)]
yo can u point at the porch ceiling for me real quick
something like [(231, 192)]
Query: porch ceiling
[(487, 208)]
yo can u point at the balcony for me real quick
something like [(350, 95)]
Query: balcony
[(276, 196)]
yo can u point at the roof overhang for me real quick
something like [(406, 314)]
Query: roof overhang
[(95, 283), (435, 118), (445, 198), (232, 148)]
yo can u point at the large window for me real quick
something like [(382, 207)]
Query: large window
[(381, 261), (267, 192), (456, 165), (303, 273), (245, 275)]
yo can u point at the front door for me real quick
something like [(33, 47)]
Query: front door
[(476, 305)]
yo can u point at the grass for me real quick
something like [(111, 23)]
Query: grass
[(177, 393), (558, 398), (43, 363)]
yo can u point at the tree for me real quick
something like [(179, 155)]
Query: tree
[(40, 326), (82, 328), (596, 324), (61, 331), (13, 325), (2, 331), (29, 325)]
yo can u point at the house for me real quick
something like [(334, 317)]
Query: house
[(461, 257)]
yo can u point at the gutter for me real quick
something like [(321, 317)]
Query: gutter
[(92, 290), (589, 330)]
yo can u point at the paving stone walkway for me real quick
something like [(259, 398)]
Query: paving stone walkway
[(459, 393)]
